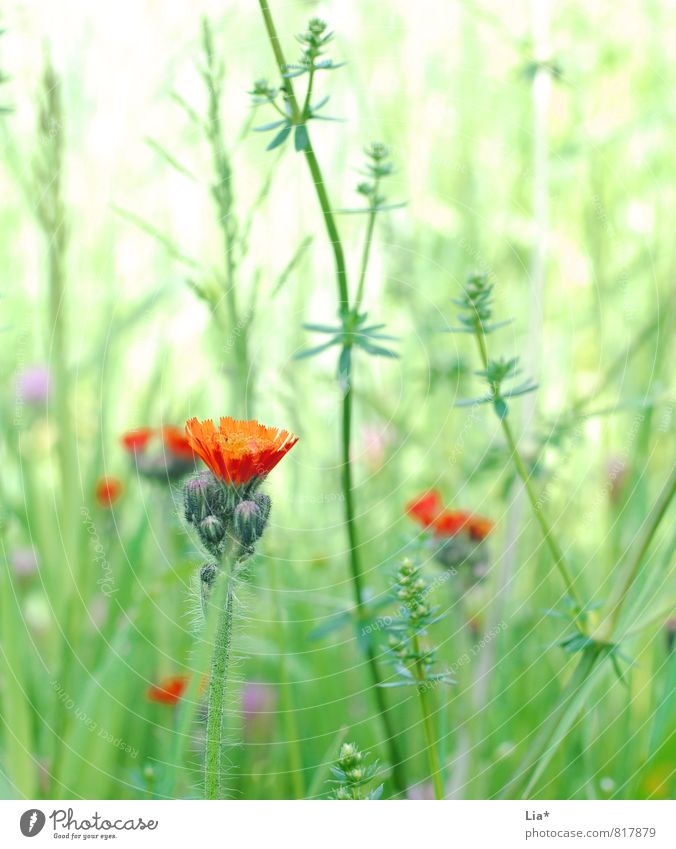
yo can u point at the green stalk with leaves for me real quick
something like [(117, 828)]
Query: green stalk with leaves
[(352, 775), (414, 661), (595, 637), (353, 330)]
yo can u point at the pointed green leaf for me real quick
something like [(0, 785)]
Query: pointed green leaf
[(280, 138), (311, 352)]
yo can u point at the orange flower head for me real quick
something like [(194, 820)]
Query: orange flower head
[(168, 691), (425, 508), (450, 522), (239, 453), (177, 443), (108, 490), (136, 441), (479, 528)]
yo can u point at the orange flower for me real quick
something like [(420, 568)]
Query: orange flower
[(450, 522), (425, 508), (137, 440), (479, 528), (169, 690), (107, 491), (239, 452), (176, 442)]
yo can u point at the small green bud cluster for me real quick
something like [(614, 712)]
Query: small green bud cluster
[(352, 773), (313, 40), (413, 660), (221, 514), (263, 92), (378, 165), (412, 590), (477, 302)]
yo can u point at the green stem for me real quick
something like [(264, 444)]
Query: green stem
[(428, 724), (286, 696), (52, 219), (522, 471), (223, 197), (344, 310), (313, 164), (370, 226), (624, 582), (213, 749), (357, 583)]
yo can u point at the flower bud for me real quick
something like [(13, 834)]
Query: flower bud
[(208, 574), (202, 497), (264, 505), (249, 522), (211, 531)]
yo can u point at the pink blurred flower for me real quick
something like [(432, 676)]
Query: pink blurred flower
[(259, 701), (375, 443), (33, 384), (24, 562), (421, 791)]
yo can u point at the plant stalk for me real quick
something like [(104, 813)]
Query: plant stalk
[(286, 695), (213, 749), (522, 471), (223, 198), (344, 311), (616, 601), (428, 724)]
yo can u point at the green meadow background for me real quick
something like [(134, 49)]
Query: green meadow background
[(540, 153)]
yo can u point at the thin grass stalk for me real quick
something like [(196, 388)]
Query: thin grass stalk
[(428, 722), (540, 98), (286, 694), (223, 198), (522, 471), (628, 574), (346, 418), (51, 217)]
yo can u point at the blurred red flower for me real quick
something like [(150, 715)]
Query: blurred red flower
[(169, 690), (450, 522), (107, 491), (425, 508), (177, 443), (137, 440), (479, 528), (428, 510)]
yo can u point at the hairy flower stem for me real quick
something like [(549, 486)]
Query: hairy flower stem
[(297, 117), (428, 724), (522, 471), (213, 748)]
